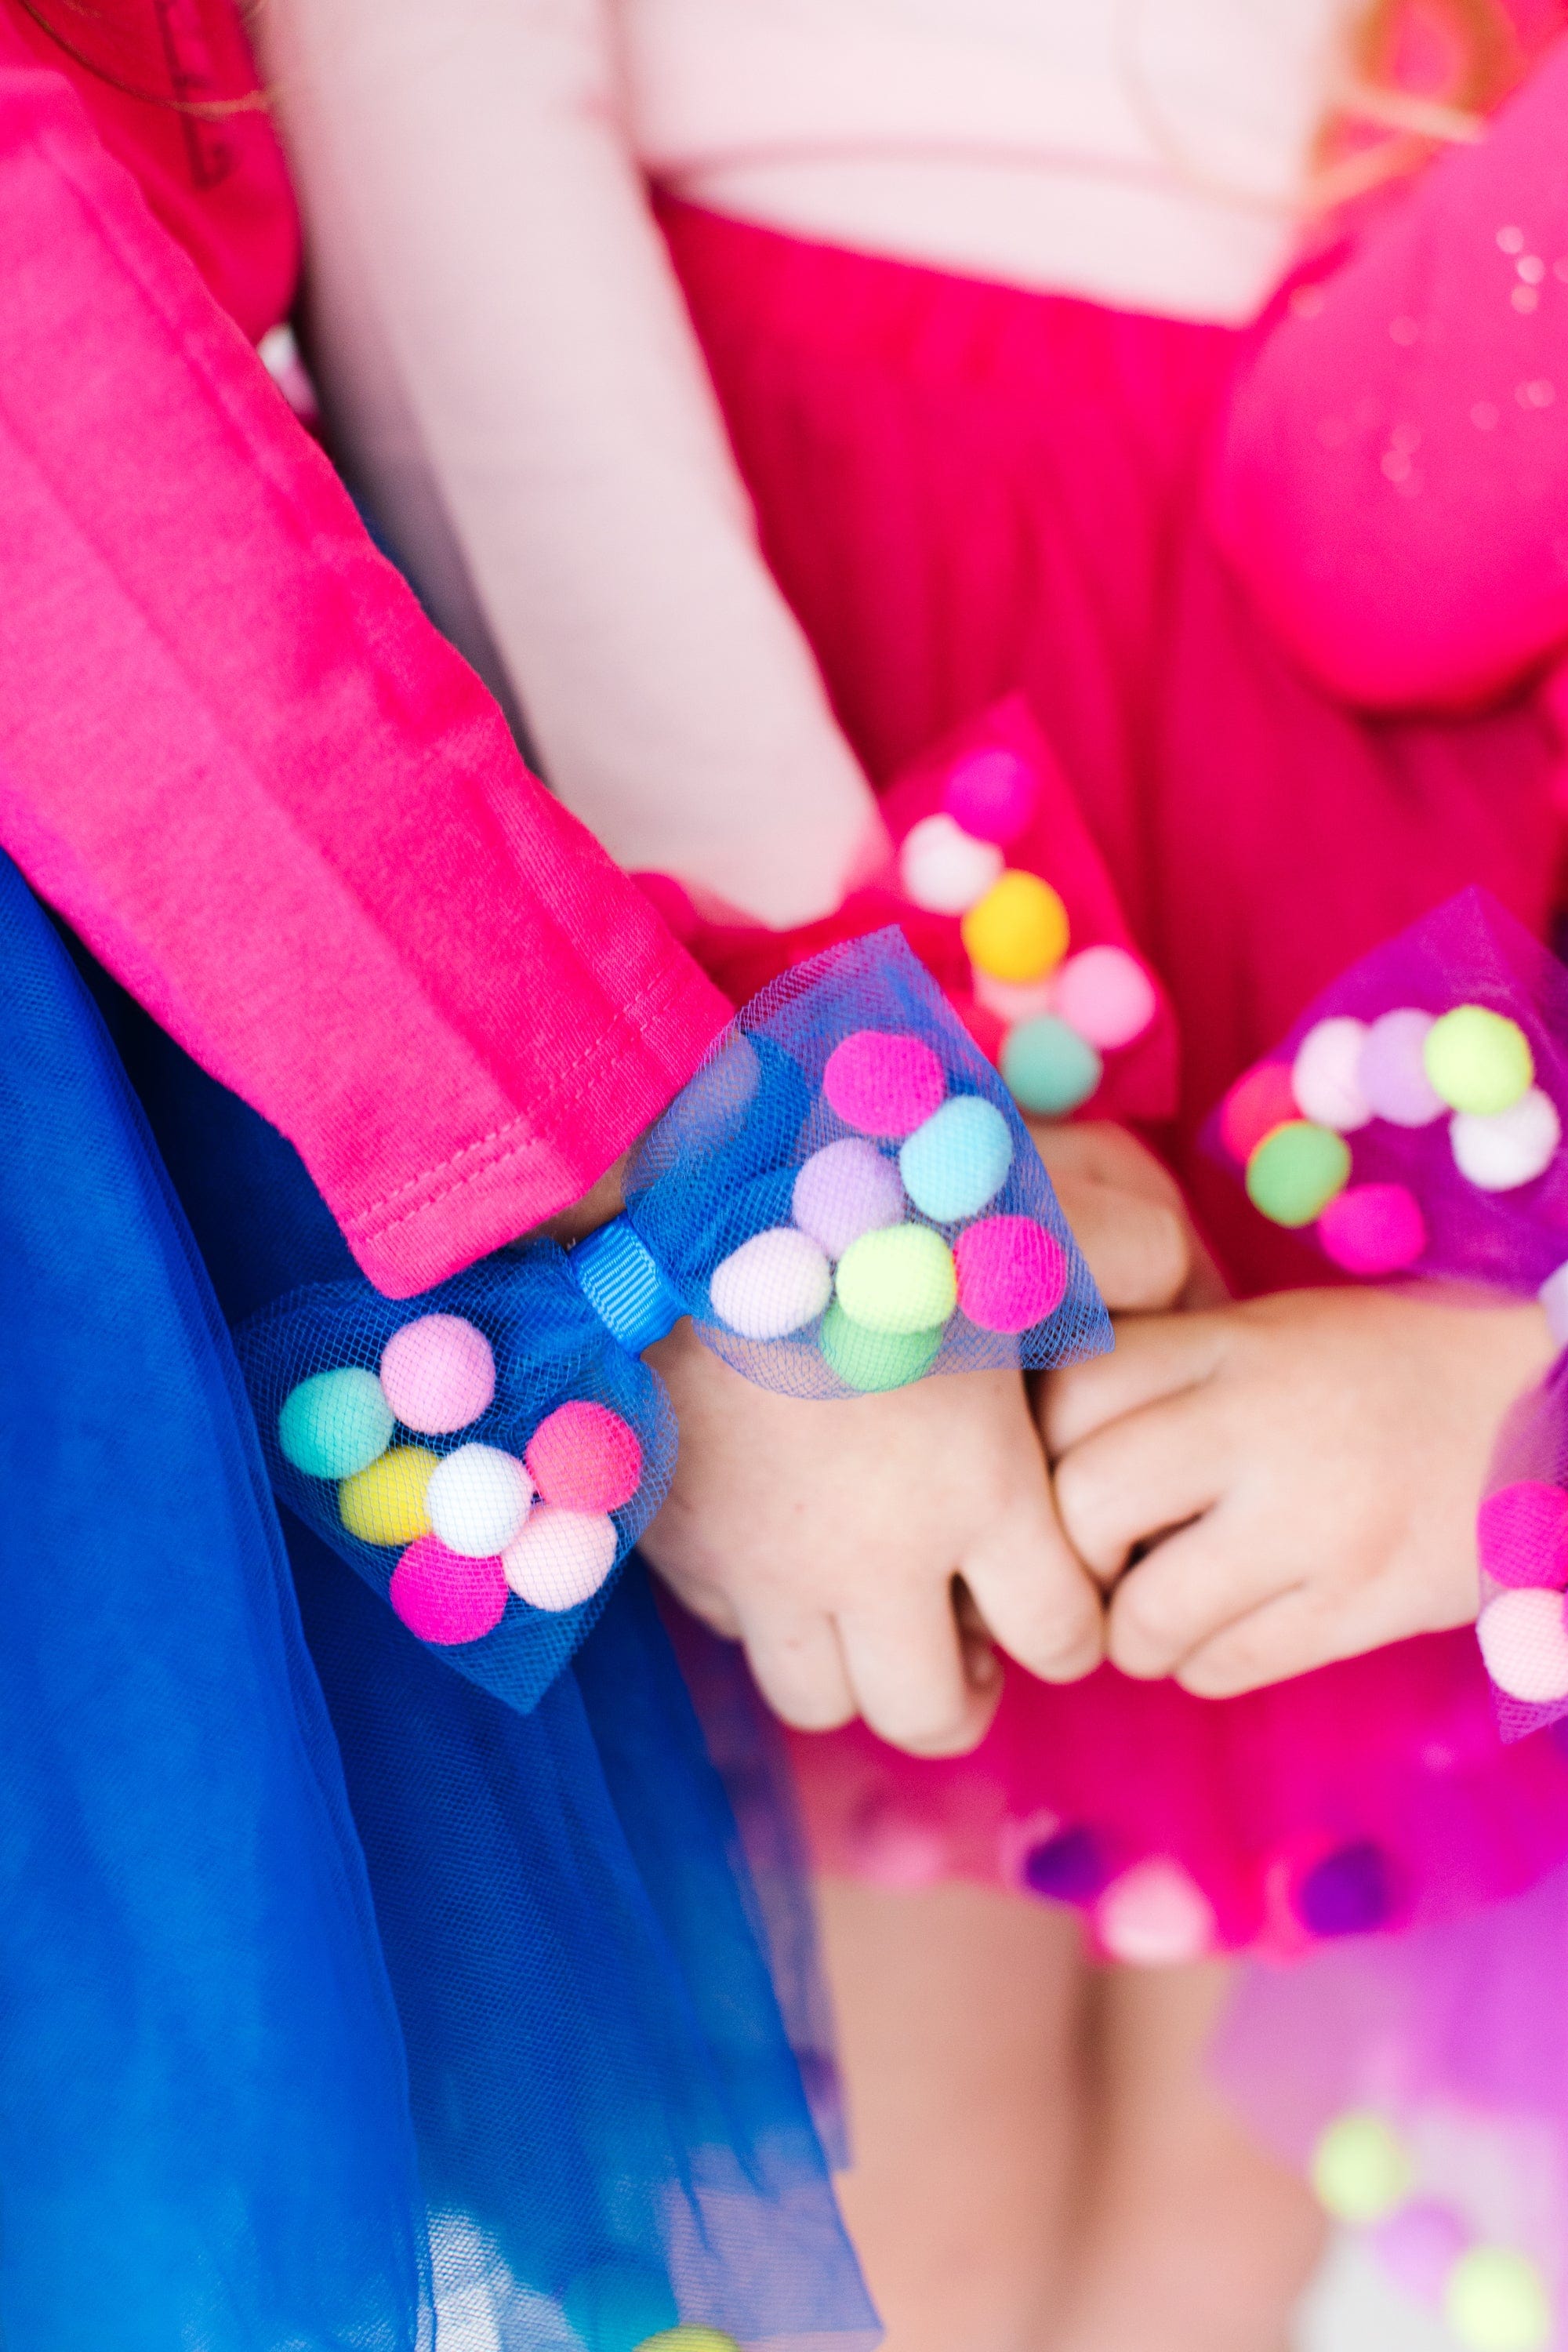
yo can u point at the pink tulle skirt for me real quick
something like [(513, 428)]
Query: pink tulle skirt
[(967, 490)]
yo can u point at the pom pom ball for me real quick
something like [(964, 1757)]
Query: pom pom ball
[(444, 1597), (1348, 1892), (1523, 1532), (992, 794), (1049, 1069), (1153, 1916), (335, 1423), (776, 1283), (873, 1361), (439, 1374), (1374, 1229), (1477, 1060), (1069, 1866), (847, 1189), (900, 1280), (883, 1083), (1012, 1272), (943, 870), (1360, 2168), (1502, 1149), (1106, 995), (955, 1164), (1256, 1104), (1392, 1072), (1009, 1002), (560, 1559), (1020, 929), (1496, 2301), (478, 1498), (1325, 1075), (1525, 1642), (387, 1503), (1295, 1172), (690, 2339), (1418, 2246), (614, 2306), (585, 1457)]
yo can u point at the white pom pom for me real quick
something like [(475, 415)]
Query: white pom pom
[(1324, 1075), (945, 869), (560, 1557), (774, 1284), (478, 1498), (1510, 1147)]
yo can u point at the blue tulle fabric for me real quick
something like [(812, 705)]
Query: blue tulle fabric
[(343, 2007)]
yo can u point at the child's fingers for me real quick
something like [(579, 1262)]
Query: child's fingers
[(1155, 1356), (1139, 1251), (1139, 1478), (1188, 1595), (1034, 1596), (799, 1668), (1289, 1634), (908, 1671)]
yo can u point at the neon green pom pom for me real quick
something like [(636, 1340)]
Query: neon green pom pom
[(1360, 2168), (1479, 1061), (690, 2339), (1496, 2301), (900, 1280), (872, 1362), (1296, 1171)]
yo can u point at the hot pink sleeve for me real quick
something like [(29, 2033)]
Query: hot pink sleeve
[(237, 758), (1392, 478)]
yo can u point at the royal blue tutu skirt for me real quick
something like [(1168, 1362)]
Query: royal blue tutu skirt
[(342, 2007)]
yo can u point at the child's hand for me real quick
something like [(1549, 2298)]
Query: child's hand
[(1127, 1216), (1320, 1456), (826, 1535)]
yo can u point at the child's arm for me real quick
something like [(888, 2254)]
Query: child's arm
[(239, 761), (1395, 466), (1306, 1469), (828, 1537), (503, 344)]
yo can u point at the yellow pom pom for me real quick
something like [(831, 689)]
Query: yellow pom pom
[(1020, 929), (1360, 2169), (690, 2339), (1496, 2301), (385, 1504)]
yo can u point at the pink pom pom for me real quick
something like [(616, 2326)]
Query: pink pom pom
[(585, 1457), (884, 1083), (438, 1374), (442, 1597), (1523, 1532), (992, 794), (1256, 1104), (1371, 1229), (1106, 995), (1012, 1272)]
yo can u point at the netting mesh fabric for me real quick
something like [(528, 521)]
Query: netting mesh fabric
[(347, 2006), (845, 1197), (1412, 1121)]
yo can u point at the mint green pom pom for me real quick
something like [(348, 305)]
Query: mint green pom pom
[(1479, 1061), (1496, 2301), (1048, 1068), (900, 1280), (336, 1425), (872, 1362), (1296, 1171)]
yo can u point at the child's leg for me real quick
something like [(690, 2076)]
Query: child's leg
[(961, 2026), (1194, 2240)]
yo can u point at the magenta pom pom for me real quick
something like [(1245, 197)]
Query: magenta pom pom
[(1012, 1272), (1523, 1531), (1374, 1229), (584, 1457), (1256, 1104), (884, 1083), (438, 1374), (444, 1597), (992, 794)]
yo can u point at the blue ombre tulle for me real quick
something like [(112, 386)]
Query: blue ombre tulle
[(342, 2007)]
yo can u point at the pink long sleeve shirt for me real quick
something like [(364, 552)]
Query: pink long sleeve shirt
[(268, 795)]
